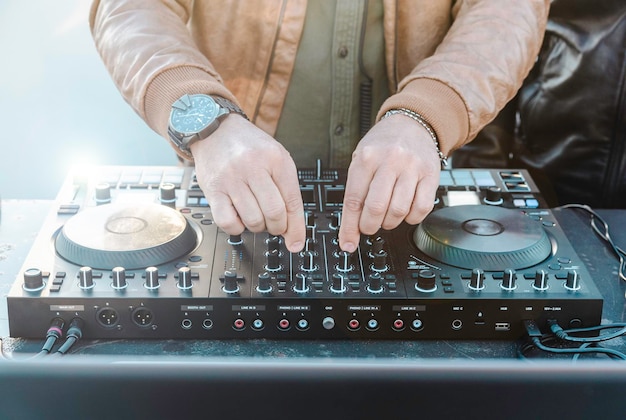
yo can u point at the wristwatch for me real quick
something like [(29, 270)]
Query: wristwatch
[(195, 117)]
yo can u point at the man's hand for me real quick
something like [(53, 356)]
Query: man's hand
[(250, 181), (393, 176)]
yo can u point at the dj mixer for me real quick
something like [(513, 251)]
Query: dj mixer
[(133, 253)]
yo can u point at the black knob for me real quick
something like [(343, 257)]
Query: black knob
[(308, 261), (152, 278), (103, 193), (310, 244), (377, 245), (338, 285), (426, 281), (309, 219), (119, 278), (573, 280), (230, 282), (273, 260), (265, 284), (335, 220), (477, 279), (310, 232), (167, 194), (184, 278), (375, 283), (235, 239), (508, 279), (85, 278), (345, 261), (380, 260), (300, 284), (273, 243), (541, 280), (493, 195), (33, 279)]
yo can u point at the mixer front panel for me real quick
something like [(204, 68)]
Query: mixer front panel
[(182, 277)]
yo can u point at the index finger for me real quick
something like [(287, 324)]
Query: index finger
[(286, 179), (357, 186)]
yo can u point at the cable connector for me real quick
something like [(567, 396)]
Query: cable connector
[(74, 333), (532, 329), (55, 331)]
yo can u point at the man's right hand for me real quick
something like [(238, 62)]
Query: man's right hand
[(250, 181)]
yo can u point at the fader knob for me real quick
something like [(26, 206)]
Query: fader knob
[(33, 279), (152, 278), (426, 281), (184, 278), (375, 283), (230, 282), (85, 278), (541, 280), (119, 278), (265, 285), (508, 279), (573, 280), (477, 279)]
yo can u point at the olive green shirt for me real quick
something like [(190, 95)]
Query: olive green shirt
[(338, 84)]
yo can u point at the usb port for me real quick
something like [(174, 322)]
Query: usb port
[(503, 326)]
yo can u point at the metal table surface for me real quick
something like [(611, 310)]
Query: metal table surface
[(21, 219)]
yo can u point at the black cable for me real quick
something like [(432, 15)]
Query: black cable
[(602, 230), (566, 334), (74, 333)]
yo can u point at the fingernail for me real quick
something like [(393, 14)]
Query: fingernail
[(297, 246), (349, 247)]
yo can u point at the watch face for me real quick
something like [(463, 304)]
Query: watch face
[(192, 113)]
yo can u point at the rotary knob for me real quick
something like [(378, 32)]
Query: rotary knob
[(335, 220), (338, 284), (300, 284), (33, 280), (345, 261), (380, 261), (273, 260), (102, 193), (230, 282), (308, 261), (377, 245), (235, 239), (184, 278), (508, 279), (572, 282), (167, 194), (426, 281), (273, 243), (85, 278), (541, 280), (493, 195), (118, 276), (152, 278), (477, 279), (375, 283), (265, 285)]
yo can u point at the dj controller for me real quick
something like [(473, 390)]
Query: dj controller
[(133, 252)]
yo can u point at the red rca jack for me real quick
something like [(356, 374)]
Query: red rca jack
[(284, 324), (239, 324), (354, 324), (398, 325)]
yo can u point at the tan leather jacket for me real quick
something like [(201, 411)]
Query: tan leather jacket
[(245, 51)]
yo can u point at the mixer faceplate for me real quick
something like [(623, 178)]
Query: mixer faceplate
[(129, 236), (477, 236)]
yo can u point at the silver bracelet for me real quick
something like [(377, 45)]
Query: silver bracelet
[(417, 117)]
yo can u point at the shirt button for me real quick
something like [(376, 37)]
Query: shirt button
[(339, 130), (343, 52)]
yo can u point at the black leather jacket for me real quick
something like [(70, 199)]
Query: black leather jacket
[(567, 125)]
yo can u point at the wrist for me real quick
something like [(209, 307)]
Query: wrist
[(420, 120)]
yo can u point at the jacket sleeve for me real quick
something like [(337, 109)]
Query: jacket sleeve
[(130, 37), (478, 67)]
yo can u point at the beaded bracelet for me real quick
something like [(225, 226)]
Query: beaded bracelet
[(417, 117)]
